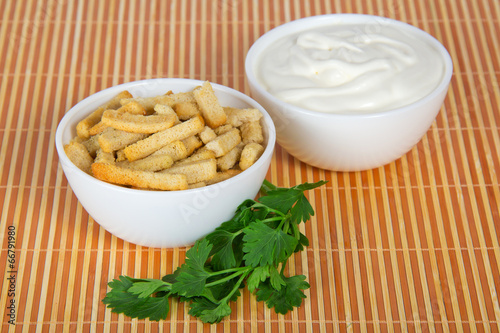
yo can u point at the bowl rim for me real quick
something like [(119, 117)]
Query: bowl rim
[(320, 20), (92, 99)]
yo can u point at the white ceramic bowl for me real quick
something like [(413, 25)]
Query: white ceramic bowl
[(346, 142), (162, 218)]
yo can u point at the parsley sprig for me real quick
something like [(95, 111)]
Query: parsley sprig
[(250, 249)]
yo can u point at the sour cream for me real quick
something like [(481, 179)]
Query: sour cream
[(351, 68)]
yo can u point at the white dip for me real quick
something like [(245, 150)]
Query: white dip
[(351, 68)]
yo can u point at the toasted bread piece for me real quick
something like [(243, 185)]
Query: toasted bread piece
[(250, 155), (197, 171), (192, 143), (166, 110), (229, 160), (104, 157), (223, 175), (168, 99), (237, 117), (92, 145), (212, 111), (201, 154), (120, 155), (177, 150), (222, 144), (223, 129), (197, 185), (79, 155), (207, 135), (98, 128), (150, 163), (133, 107), (157, 140), (82, 128), (252, 132), (186, 110), (137, 178), (112, 139), (136, 123)]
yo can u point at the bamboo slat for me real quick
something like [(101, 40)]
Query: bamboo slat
[(410, 246)]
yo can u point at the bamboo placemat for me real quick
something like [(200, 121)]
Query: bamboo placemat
[(411, 246)]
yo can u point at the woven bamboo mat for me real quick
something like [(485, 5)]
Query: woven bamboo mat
[(411, 246)]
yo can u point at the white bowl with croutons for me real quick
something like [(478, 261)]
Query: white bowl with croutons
[(165, 204), (349, 92)]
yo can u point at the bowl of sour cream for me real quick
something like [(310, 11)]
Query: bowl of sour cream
[(349, 92)]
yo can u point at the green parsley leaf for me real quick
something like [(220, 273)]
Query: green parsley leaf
[(146, 288), (283, 199), (192, 274), (121, 284), (208, 311), (266, 246), (197, 256), (267, 186), (309, 186), (154, 308), (171, 278), (259, 274), (303, 242), (285, 299), (200, 304), (121, 300), (302, 211), (276, 279), (222, 250), (216, 315)]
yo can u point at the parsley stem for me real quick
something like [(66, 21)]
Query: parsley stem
[(236, 287), (229, 270), (242, 272), (296, 231), (283, 225), (151, 280), (271, 219), (283, 267), (268, 209)]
